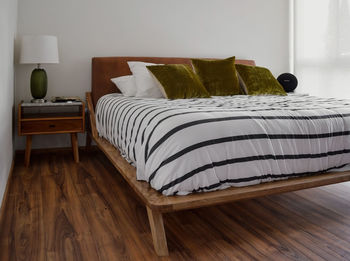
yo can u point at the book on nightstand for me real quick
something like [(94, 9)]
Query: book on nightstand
[(65, 99)]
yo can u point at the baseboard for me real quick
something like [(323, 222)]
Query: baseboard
[(6, 193), (61, 149)]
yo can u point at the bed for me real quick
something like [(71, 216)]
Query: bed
[(105, 68)]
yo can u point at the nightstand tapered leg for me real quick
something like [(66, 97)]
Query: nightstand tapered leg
[(28, 149), (75, 146)]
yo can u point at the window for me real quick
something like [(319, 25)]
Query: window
[(322, 47)]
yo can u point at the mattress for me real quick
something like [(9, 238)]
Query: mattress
[(193, 145)]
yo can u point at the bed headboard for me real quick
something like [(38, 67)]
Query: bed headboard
[(105, 68)]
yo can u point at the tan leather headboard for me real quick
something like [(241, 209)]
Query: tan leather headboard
[(105, 68)]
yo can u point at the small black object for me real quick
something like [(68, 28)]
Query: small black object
[(288, 81)]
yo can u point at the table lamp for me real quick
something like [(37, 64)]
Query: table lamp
[(38, 49)]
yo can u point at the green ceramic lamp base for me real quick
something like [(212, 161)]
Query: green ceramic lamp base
[(38, 83)]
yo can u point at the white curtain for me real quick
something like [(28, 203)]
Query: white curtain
[(322, 47)]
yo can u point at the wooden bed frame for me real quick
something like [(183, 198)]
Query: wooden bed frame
[(105, 68)]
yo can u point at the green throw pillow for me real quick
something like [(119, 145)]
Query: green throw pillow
[(178, 81), (259, 80), (218, 76)]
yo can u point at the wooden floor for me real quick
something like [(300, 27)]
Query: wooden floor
[(60, 210)]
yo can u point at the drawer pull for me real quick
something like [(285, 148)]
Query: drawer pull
[(52, 126)]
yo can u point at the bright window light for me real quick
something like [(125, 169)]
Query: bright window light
[(322, 47)]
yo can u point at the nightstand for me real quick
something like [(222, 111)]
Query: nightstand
[(51, 118)]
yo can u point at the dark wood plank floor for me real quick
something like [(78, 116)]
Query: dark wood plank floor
[(59, 210)]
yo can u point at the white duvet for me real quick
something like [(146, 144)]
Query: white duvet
[(184, 146)]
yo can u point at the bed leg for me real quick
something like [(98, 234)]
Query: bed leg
[(158, 233)]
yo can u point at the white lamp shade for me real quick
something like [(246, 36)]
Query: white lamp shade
[(37, 49)]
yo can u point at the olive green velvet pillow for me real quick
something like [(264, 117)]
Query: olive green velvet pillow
[(259, 80), (219, 77), (178, 81)]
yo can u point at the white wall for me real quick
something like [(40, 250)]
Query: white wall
[(252, 29), (8, 18)]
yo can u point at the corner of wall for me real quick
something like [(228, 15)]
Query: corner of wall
[(8, 13)]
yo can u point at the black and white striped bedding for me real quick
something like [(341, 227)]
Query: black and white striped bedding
[(183, 146)]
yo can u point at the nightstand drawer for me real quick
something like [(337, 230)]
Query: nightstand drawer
[(54, 126)]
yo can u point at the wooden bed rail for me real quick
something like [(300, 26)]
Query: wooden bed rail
[(156, 203)]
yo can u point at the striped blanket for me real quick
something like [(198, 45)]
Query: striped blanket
[(184, 146)]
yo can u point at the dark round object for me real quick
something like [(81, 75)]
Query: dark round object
[(288, 81)]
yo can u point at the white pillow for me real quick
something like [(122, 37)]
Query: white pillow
[(145, 83), (126, 84)]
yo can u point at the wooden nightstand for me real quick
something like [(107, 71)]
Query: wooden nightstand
[(51, 118)]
